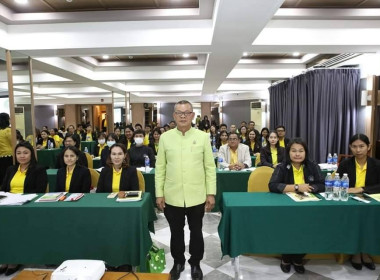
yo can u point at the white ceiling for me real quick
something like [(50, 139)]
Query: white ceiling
[(63, 47)]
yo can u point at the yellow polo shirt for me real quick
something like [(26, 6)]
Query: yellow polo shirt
[(101, 147), (89, 137), (146, 140), (360, 174), (5, 142), (252, 146), (185, 168), (69, 175), (273, 152), (156, 147), (116, 180), (298, 175), (234, 156), (18, 180), (282, 143)]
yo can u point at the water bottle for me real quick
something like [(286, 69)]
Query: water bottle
[(344, 187), (147, 164), (214, 151), (51, 145), (335, 161), (336, 187), (85, 149), (220, 166), (329, 187), (329, 161), (87, 138)]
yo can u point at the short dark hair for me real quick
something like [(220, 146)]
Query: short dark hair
[(138, 124), (280, 126), (125, 162), (231, 133), (300, 142), (27, 145), (4, 120), (74, 139), (223, 124), (361, 137), (148, 125), (166, 125), (130, 127), (139, 131), (112, 135)]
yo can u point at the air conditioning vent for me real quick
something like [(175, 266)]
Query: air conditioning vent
[(336, 60), (19, 110), (255, 105)]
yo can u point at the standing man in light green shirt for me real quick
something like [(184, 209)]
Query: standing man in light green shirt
[(185, 186)]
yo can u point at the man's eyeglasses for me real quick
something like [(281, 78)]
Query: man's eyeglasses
[(186, 114), (233, 139)]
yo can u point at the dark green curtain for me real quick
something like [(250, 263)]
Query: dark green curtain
[(319, 106)]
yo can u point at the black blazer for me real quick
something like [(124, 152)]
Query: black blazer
[(35, 181), (266, 156), (80, 180), (283, 175), (153, 147), (286, 141), (256, 148), (124, 140), (372, 177), (128, 180), (82, 160), (97, 148), (104, 155), (48, 142)]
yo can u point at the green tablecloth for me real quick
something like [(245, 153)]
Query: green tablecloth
[(269, 223), (48, 158), (90, 146), (226, 181), (92, 228)]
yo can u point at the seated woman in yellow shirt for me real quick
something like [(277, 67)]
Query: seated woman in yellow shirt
[(73, 178), (364, 174), (271, 155), (296, 174), (117, 175), (45, 142), (26, 176)]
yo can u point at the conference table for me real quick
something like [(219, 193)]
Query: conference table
[(95, 227), (271, 223), (48, 157), (226, 181)]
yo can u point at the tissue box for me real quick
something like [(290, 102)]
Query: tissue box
[(79, 270)]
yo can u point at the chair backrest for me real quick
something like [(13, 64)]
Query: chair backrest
[(141, 179), (342, 157), (94, 177), (259, 179), (90, 164)]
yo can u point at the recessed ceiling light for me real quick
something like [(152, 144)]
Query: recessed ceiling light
[(23, 2), (106, 56), (130, 57), (245, 53), (296, 54), (185, 55)]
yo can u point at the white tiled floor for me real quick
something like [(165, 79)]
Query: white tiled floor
[(215, 268)]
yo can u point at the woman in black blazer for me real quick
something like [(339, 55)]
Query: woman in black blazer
[(284, 179), (268, 153), (156, 139), (26, 176), (118, 169), (368, 181), (45, 142), (80, 181), (253, 144), (71, 140)]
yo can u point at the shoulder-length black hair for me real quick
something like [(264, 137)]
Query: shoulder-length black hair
[(300, 142), (27, 145), (361, 137), (72, 148), (77, 143), (125, 163)]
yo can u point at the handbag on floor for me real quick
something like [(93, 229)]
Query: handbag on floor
[(156, 261)]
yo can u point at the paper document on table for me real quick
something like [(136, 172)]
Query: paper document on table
[(130, 196), (302, 197), (51, 197), (375, 196), (15, 199), (145, 169)]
